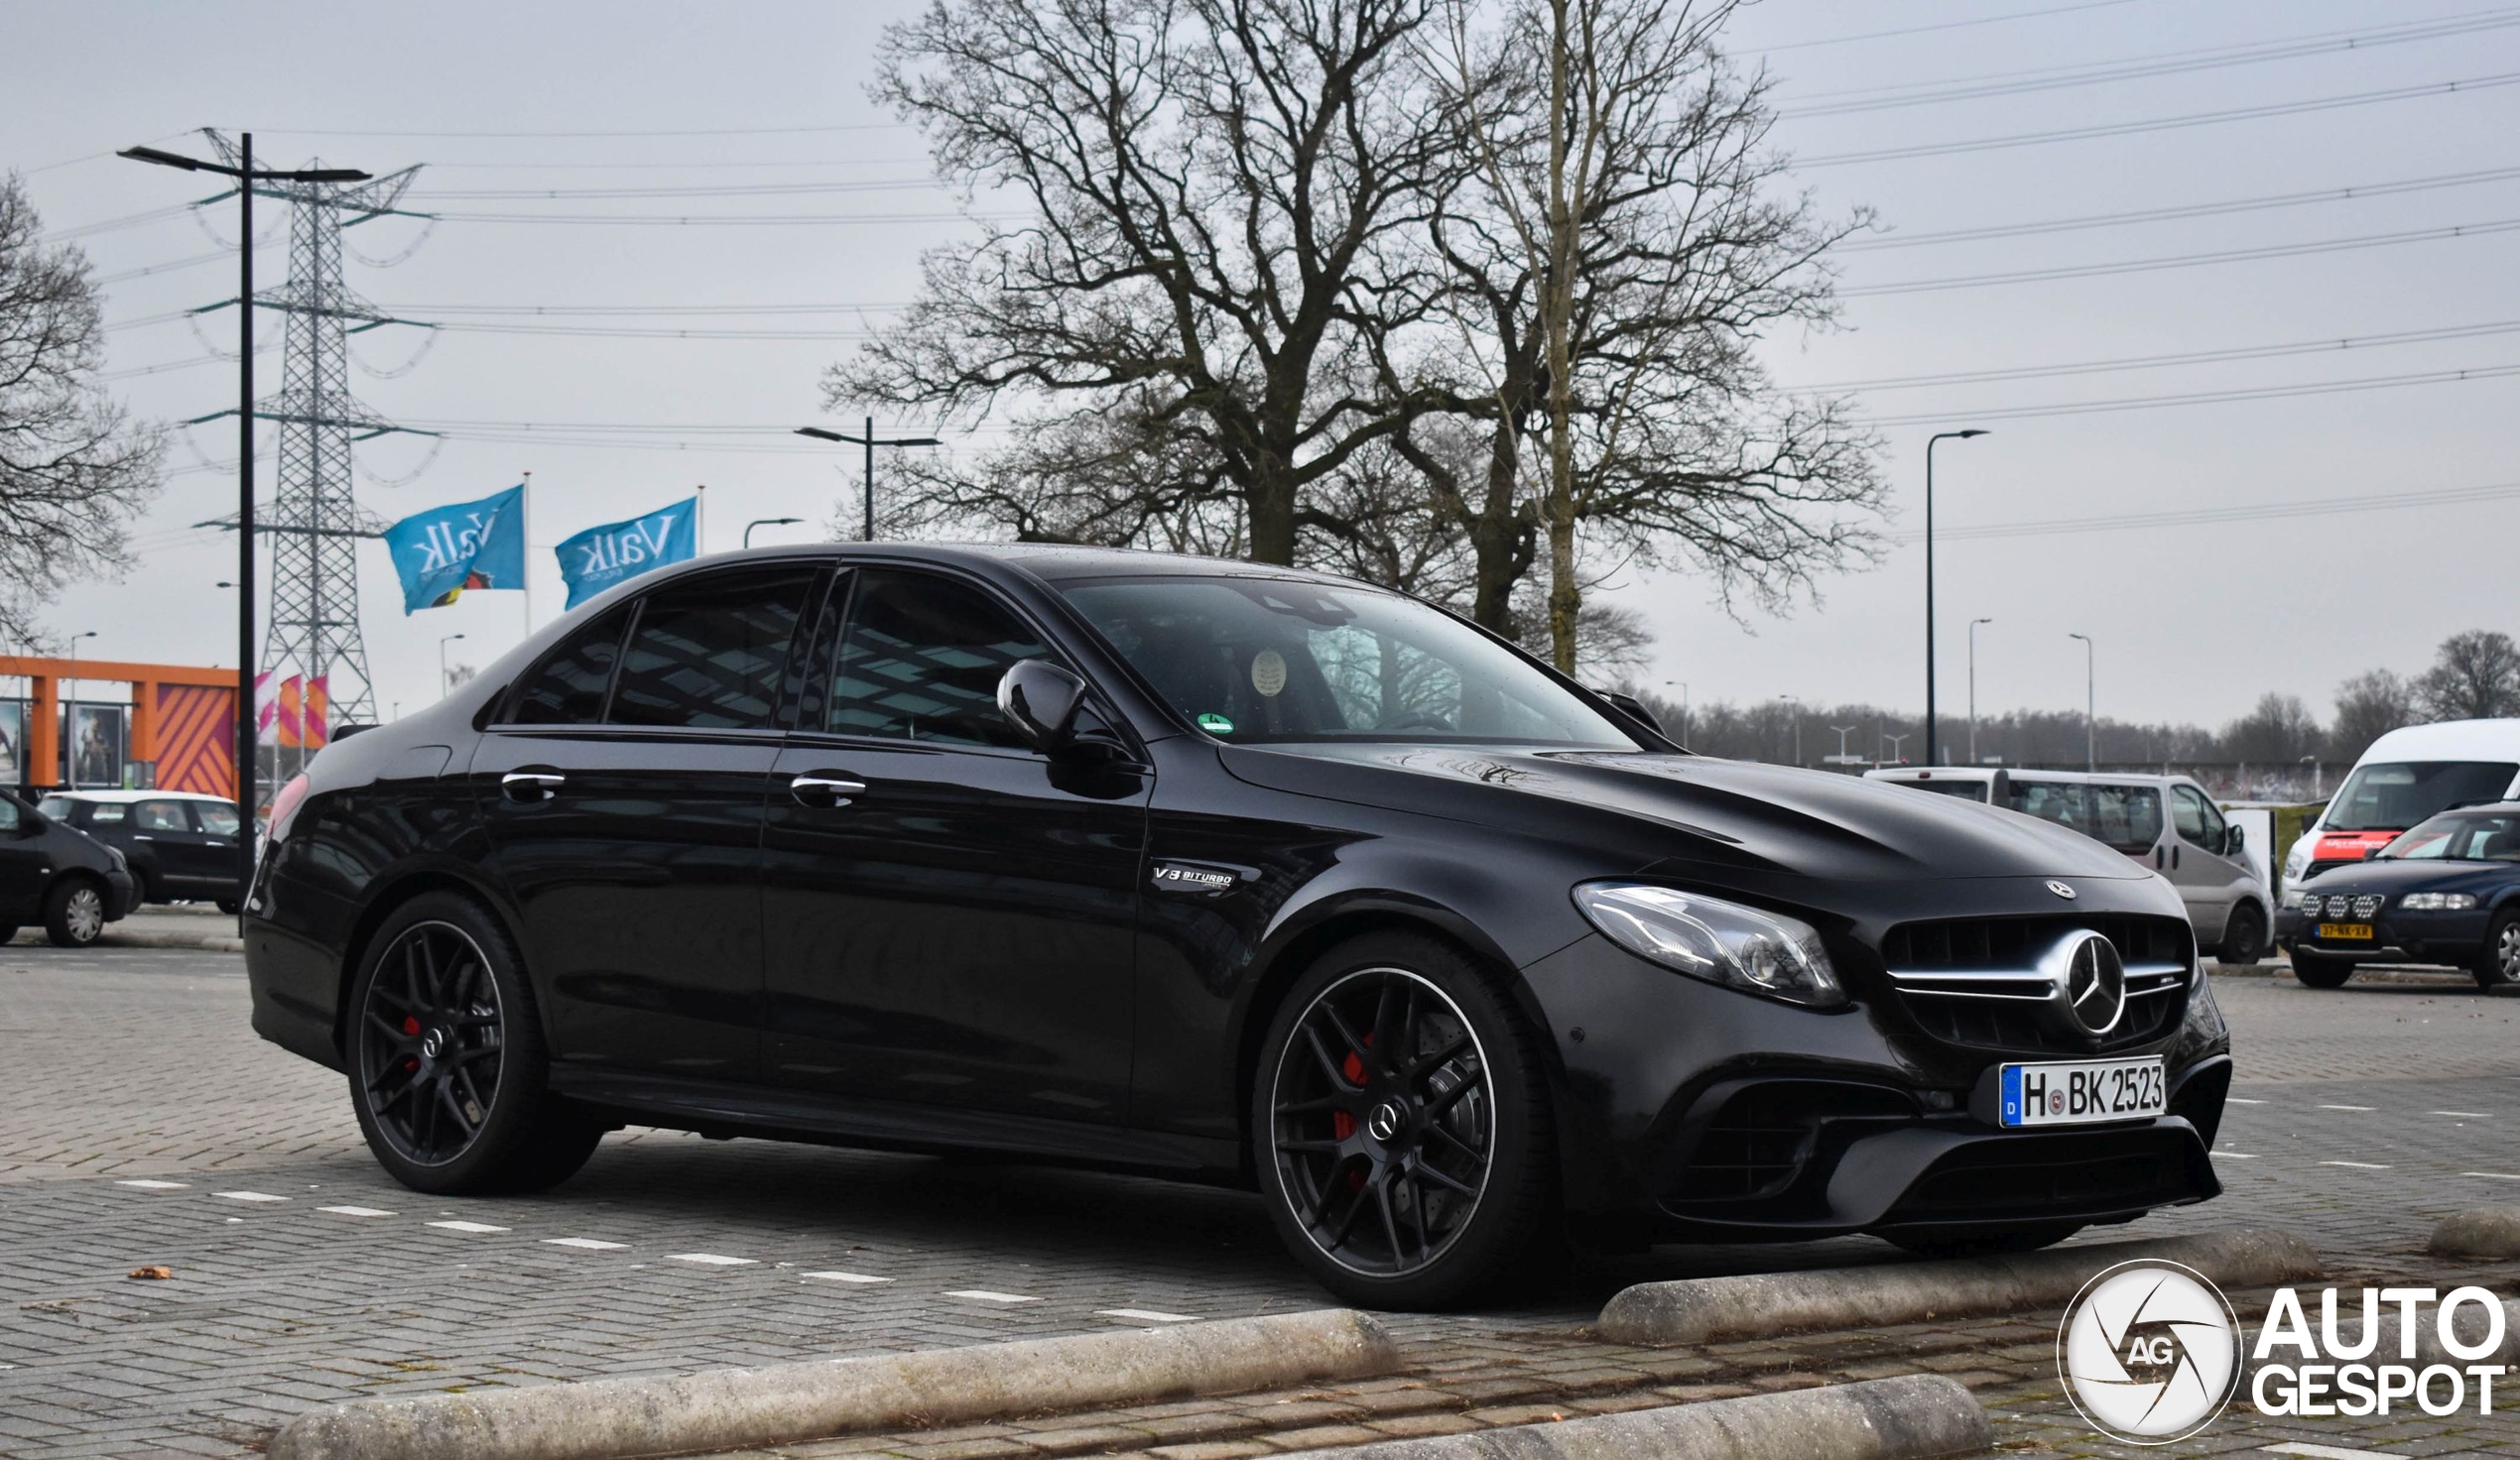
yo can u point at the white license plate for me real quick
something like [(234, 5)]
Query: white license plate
[(2078, 1092)]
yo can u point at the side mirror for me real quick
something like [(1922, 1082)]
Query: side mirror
[(2234, 838), (1632, 707), (1041, 699)]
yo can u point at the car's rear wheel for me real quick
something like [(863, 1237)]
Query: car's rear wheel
[(74, 913), (1983, 1242), (1401, 1124), (2317, 971), (227, 906), (447, 1063), (2243, 938), (2498, 961)]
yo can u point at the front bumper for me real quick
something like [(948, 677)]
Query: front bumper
[(122, 893), (2451, 938)]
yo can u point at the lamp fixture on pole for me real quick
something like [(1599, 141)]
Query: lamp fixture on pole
[(767, 522), (869, 441), (1972, 687), (1949, 435)]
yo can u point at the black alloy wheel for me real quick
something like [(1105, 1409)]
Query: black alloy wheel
[(431, 1041), (2319, 971), (2499, 962), (1403, 1125), (2243, 938), (447, 1066), (74, 913)]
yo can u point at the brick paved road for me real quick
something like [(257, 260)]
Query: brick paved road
[(141, 1123)]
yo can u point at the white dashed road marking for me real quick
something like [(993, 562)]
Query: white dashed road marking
[(2235, 1156), (2492, 1175), (2329, 1452), (1144, 1316), (983, 1295), (155, 1185), (2365, 1108), (590, 1244), (2466, 1115), (849, 1276), (468, 1227), (354, 1211), (2236, 1100), (249, 1196), (709, 1260), (2360, 1166)]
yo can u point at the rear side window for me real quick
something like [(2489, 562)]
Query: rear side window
[(217, 819), (60, 809), (104, 813), (707, 654), (922, 658), (568, 686), (8, 814), (160, 816)]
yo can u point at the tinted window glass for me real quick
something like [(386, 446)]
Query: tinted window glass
[(567, 688), (922, 658), (60, 809), (104, 813), (2481, 838), (217, 819), (1967, 791), (8, 814), (707, 654), (2052, 800), (2127, 817), (160, 816), (2395, 794)]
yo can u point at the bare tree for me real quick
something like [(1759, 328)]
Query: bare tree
[(74, 468), (1630, 243), (1212, 198), (2368, 706), (2279, 731), (2475, 676)]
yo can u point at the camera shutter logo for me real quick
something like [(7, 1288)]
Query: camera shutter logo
[(2150, 1352)]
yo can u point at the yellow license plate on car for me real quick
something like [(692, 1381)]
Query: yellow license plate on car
[(2346, 932)]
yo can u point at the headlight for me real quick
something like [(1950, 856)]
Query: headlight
[(2299, 857), (2438, 901), (1721, 942)]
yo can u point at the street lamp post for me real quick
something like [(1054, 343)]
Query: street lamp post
[(69, 713), (1798, 727), (1972, 687), (2090, 700), (443, 687), (1895, 741), (766, 522), (2317, 779), (1948, 435), (1684, 710), (246, 176), (871, 444)]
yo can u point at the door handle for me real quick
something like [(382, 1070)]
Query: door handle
[(2174, 859), (825, 789), (532, 785)]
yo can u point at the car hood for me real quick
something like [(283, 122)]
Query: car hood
[(1693, 808), (2413, 876)]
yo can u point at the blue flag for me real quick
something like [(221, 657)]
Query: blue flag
[(472, 544), (599, 557)]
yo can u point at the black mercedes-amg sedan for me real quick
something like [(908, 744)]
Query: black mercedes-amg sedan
[(1224, 871)]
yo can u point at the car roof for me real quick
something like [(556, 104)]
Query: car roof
[(2062, 778), (2449, 740), (1052, 560), (127, 796)]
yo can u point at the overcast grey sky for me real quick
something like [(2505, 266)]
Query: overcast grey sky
[(2192, 617)]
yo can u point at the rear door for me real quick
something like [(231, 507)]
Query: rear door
[(623, 802), (24, 867), (220, 825)]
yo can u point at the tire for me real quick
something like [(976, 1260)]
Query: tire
[(74, 913), (439, 1010), (2319, 971), (2498, 961), (2243, 938), (1457, 1196), (228, 906), (1983, 1242)]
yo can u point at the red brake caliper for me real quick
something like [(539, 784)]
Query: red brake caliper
[(411, 1026), (1344, 1125)]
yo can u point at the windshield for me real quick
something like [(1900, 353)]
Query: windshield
[(2393, 795), (2460, 837), (1259, 659)]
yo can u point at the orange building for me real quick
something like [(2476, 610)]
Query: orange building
[(184, 719)]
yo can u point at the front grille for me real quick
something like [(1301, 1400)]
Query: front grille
[(1766, 1135), (1976, 982)]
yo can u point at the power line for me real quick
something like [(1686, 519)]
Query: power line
[(2164, 63), (2207, 516), (739, 189), (2205, 398), (1949, 25), (654, 132), (679, 220), (2186, 261), (2163, 124), (2152, 362), (2181, 212)]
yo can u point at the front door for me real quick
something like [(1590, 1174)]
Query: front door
[(623, 801), (2209, 880), (949, 915), (180, 851), (25, 865)]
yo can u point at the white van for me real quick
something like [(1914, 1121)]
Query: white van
[(2406, 776), (2166, 822)]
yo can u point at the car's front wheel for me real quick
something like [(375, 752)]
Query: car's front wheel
[(447, 1063), (1401, 1124), (74, 913), (2243, 938), (2498, 961), (2317, 971)]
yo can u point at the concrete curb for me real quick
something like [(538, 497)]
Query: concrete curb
[(1911, 1418), (2484, 1232), (205, 943), (734, 1408), (1711, 1309)]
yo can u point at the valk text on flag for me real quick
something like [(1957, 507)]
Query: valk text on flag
[(470, 545), (599, 557)]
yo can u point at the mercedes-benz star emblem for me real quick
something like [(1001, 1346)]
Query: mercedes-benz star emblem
[(1384, 1123), (435, 1045), (2062, 889), (2095, 983)]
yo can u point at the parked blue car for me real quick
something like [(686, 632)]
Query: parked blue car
[(2447, 892)]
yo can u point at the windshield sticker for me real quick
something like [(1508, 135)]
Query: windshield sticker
[(1215, 724), (1268, 673)]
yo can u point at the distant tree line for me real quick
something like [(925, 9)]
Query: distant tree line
[(2278, 748)]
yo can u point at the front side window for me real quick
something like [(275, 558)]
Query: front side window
[(2392, 795), (707, 652), (2200, 824), (217, 818), (160, 816), (1260, 660), (567, 687), (921, 660), (2490, 837)]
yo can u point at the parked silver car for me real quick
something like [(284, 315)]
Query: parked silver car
[(2168, 822)]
